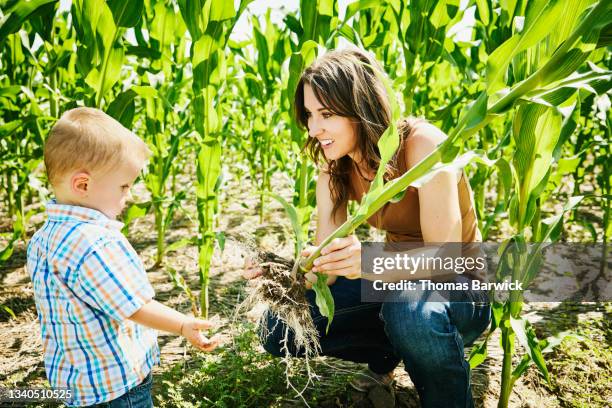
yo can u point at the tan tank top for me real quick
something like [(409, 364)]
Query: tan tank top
[(401, 220)]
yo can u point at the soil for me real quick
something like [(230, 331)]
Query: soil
[(20, 343)]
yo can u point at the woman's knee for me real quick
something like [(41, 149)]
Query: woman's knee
[(413, 318)]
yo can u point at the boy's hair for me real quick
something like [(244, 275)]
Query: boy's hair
[(88, 139)]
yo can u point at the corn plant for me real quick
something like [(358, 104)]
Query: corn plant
[(313, 27), (28, 105), (100, 28), (166, 125), (209, 23), (538, 132), (260, 138)]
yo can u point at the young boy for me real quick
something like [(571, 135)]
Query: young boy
[(94, 302)]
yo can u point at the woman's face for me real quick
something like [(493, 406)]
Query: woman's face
[(336, 134)]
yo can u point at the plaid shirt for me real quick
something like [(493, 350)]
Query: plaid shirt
[(87, 281)]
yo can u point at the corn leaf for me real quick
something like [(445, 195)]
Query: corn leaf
[(126, 13), (542, 16), (324, 299), (295, 219), (536, 130), (527, 338), (18, 14)]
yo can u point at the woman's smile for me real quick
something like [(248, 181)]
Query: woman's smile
[(326, 143)]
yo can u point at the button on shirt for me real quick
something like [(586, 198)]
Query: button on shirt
[(87, 281)]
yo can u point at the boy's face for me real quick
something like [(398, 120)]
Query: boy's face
[(109, 191)]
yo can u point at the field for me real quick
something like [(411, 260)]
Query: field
[(526, 108)]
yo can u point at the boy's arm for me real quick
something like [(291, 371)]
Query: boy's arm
[(160, 317)]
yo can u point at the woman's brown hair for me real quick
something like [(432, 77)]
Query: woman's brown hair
[(347, 83)]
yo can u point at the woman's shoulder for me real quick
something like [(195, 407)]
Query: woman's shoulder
[(420, 138), (415, 130)]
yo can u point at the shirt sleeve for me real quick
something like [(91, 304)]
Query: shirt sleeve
[(112, 279)]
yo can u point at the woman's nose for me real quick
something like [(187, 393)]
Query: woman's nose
[(314, 129)]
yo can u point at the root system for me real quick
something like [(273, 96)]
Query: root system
[(285, 297)]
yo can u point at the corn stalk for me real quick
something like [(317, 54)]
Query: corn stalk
[(209, 23), (263, 82), (316, 22), (24, 113)]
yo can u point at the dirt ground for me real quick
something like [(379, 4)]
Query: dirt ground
[(580, 368)]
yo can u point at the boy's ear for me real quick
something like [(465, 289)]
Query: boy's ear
[(79, 183)]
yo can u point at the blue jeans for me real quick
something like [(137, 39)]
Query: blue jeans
[(137, 397), (428, 337)]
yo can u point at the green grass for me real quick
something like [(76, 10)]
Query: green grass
[(240, 374), (580, 368)]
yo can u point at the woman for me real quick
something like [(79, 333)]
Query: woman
[(345, 108)]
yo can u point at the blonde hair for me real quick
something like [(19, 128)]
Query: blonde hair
[(90, 140)]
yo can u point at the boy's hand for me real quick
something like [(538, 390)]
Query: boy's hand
[(191, 331), (251, 269)]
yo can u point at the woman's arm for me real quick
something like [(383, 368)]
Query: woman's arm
[(326, 223), (348, 249), (439, 209)]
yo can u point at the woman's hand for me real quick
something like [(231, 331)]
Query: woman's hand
[(311, 278), (341, 257)]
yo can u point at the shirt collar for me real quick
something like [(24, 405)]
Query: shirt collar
[(66, 212)]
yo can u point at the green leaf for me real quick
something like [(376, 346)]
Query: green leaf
[(471, 119), (547, 229), (389, 140), (133, 212), (505, 175), (18, 14), (439, 18), (324, 299), (163, 25), (126, 13), (192, 12), (483, 11), (221, 10), (220, 237), (8, 310), (7, 251), (293, 24), (103, 78), (181, 243), (536, 129), (122, 108), (558, 92), (204, 48), (542, 17), (208, 169), (478, 354), (527, 338), (296, 223), (361, 5)]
